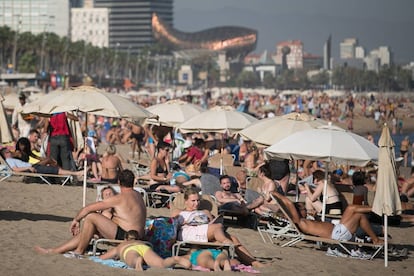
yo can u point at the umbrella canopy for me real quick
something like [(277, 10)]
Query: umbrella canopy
[(325, 143), (32, 89), (220, 119), (6, 135), (387, 201), (87, 99), (173, 112), (90, 100), (267, 132)]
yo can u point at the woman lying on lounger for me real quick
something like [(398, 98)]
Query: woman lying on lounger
[(196, 226), (353, 217)]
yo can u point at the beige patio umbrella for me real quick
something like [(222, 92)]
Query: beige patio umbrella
[(173, 113), (87, 99), (267, 132), (6, 135), (325, 143), (387, 200), (220, 119)]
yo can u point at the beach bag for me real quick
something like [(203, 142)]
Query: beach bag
[(161, 232)]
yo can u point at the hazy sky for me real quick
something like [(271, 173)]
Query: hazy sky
[(373, 22)]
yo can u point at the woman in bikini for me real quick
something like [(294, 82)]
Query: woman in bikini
[(313, 199), (111, 165)]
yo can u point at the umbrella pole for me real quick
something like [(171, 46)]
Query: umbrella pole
[(385, 240), (85, 164), (325, 187), (297, 181)]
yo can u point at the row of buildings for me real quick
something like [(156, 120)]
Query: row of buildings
[(128, 26), (350, 53), (125, 25)]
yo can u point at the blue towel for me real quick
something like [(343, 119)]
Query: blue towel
[(110, 262)]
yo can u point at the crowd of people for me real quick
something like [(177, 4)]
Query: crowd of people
[(186, 169)]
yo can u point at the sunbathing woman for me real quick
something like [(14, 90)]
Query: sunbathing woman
[(353, 217), (196, 226), (134, 253), (111, 165)]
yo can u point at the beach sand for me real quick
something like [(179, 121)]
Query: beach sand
[(39, 214)]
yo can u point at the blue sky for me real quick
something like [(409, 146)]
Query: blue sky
[(374, 22)]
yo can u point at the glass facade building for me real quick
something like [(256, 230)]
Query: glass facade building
[(130, 21)]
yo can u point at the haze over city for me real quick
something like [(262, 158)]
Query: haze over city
[(373, 22)]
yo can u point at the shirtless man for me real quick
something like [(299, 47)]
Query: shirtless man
[(353, 217), (129, 214), (228, 200), (137, 134), (111, 165)]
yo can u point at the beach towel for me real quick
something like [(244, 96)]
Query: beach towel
[(109, 262)]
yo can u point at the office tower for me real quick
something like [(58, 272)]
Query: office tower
[(130, 21), (36, 16), (347, 48)]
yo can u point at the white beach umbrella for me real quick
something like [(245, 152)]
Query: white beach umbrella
[(268, 131), (173, 113), (6, 135), (387, 201), (220, 119), (328, 144), (87, 99)]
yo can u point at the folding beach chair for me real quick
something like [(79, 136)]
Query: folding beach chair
[(6, 172), (294, 235), (117, 189), (206, 203)]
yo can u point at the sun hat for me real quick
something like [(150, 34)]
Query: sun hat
[(187, 144)]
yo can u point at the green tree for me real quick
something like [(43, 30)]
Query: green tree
[(247, 79), (27, 63)]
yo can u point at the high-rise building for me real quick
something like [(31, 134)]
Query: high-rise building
[(327, 54), (91, 25), (130, 21), (347, 48), (359, 52), (36, 16), (294, 58)]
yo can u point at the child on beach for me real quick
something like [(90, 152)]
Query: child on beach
[(135, 253), (213, 259)]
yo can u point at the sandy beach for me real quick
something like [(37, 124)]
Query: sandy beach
[(39, 214)]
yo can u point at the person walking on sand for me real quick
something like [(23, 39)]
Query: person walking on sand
[(129, 214), (135, 253)]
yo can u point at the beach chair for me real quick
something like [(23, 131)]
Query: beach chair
[(300, 236), (160, 232), (294, 235), (6, 172), (117, 189), (206, 203)]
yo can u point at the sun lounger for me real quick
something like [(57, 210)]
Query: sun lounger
[(6, 172), (117, 189), (294, 235), (206, 203)]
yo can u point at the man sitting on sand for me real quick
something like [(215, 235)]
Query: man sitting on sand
[(129, 214), (352, 218), (44, 167)]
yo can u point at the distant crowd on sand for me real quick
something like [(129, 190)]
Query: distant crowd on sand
[(187, 164)]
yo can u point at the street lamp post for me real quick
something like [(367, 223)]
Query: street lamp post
[(16, 37), (127, 71), (114, 65)]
